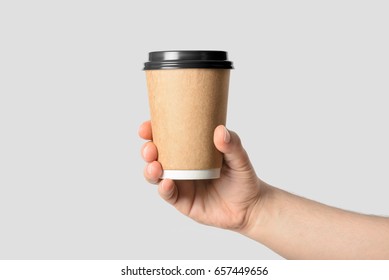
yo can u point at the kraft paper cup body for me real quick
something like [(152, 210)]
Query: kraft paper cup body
[(186, 105)]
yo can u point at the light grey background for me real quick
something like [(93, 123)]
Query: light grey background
[(309, 98)]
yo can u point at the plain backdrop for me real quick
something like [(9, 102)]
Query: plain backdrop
[(308, 96)]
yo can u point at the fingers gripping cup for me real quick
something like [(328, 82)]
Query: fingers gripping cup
[(188, 92)]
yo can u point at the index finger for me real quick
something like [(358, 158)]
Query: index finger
[(145, 131)]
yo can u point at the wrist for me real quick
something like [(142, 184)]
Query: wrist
[(260, 214)]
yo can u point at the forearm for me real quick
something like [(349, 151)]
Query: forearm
[(299, 228)]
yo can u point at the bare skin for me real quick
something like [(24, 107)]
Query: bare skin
[(292, 226)]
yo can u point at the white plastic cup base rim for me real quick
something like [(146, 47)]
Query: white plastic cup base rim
[(191, 174)]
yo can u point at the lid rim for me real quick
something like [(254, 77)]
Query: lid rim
[(188, 59)]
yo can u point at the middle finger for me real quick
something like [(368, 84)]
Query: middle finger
[(149, 152)]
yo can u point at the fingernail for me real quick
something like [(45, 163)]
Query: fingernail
[(168, 191), (227, 136), (149, 169), (144, 153), (163, 185)]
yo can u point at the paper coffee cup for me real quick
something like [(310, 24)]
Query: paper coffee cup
[(188, 93)]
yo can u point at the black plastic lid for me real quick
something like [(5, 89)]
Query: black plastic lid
[(187, 59)]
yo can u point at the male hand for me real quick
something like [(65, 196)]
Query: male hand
[(226, 202)]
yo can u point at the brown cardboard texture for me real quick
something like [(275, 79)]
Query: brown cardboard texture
[(186, 105)]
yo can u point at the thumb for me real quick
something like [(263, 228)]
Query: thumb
[(228, 142)]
